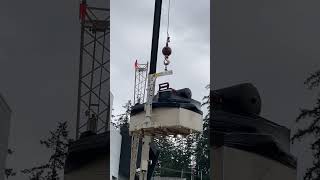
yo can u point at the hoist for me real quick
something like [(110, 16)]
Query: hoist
[(169, 112)]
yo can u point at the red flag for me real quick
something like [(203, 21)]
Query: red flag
[(83, 11), (136, 64)]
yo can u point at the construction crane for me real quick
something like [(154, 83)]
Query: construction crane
[(172, 118), (146, 140)]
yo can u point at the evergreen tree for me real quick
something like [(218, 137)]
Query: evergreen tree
[(312, 116), (57, 143), (175, 156), (166, 148), (182, 155), (124, 118), (202, 151)]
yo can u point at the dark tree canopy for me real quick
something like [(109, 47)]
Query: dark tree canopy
[(123, 118), (311, 117), (57, 143), (188, 155)]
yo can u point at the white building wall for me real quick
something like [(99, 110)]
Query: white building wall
[(115, 149), (5, 114), (111, 106)]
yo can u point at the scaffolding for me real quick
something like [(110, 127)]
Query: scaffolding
[(140, 81), (93, 111)]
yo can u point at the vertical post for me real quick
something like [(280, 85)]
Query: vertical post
[(154, 54), (151, 86), (155, 36), (181, 173), (80, 72), (145, 157), (145, 82), (134, 153), (92, 76), (135, 82)]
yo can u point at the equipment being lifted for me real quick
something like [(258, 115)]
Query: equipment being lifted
[(169, 112), (174, 112)]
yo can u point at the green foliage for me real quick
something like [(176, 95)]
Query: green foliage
[(202, 150), (312, 117), (124, 118), (183, 156), (175, 156), (57, 143)]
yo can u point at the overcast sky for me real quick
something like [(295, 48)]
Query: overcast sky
[(274, 45), (39, 56), (131, 34)]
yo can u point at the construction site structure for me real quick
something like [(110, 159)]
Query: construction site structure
[(244, 145), (170, 112), (89, 155), (93, 111), (140, 81)]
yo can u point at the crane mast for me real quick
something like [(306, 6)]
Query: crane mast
[(171, 112), (147, 139)]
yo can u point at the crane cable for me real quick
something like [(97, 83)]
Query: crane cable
[(168, 19), (166, 51)]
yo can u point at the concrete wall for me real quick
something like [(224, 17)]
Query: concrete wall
[(179, 120), (97, 170), (230, 164), (115, 149), (121, 177), (5, 114)]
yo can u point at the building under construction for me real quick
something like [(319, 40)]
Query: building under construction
[(163, 113), (89, 155)]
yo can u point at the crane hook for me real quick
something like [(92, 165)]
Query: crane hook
[(166, 51)]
